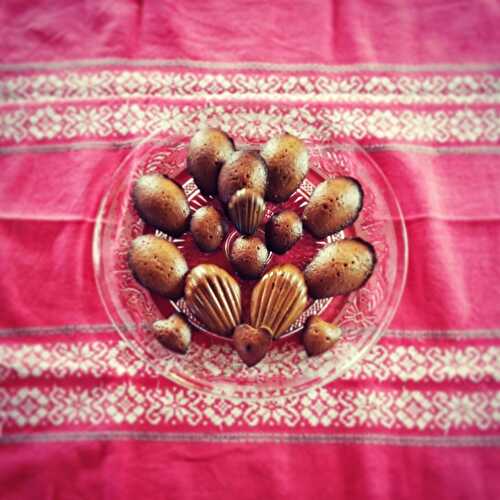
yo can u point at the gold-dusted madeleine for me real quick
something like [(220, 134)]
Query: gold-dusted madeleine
[(208, 150), (334, 205), (287, 161), (319, 336), (278, 299), (243, 169), (340, 268), (162, 203), (214, 297), (158, 265), (246, 209)]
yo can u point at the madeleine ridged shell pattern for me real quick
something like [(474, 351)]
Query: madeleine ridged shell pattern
[(214, 297), (278, 299), (246, 209)]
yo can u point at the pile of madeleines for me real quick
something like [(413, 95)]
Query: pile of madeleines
[(243, 181)]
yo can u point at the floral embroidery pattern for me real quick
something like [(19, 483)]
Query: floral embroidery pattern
[(385, 362), (387, 88), (249, 122), (131, 403)]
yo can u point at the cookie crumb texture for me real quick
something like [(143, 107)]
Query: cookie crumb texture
[(244, 169)]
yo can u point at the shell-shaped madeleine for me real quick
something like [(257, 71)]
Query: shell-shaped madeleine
[(246, 209), (278, 299), (214, 297)]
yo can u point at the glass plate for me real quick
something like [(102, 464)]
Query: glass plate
[(212, 365)]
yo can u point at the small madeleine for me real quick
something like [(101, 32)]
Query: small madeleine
[(248, 256), (251, 343), (246, 209), (283, 230), (208, 228), (319, 336), (174, 333)]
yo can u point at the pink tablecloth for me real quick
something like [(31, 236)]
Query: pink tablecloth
[(417, 84)]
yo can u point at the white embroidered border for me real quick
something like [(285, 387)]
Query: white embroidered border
[(385, 362), (248, 122), (388, 89), (133, 404)]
